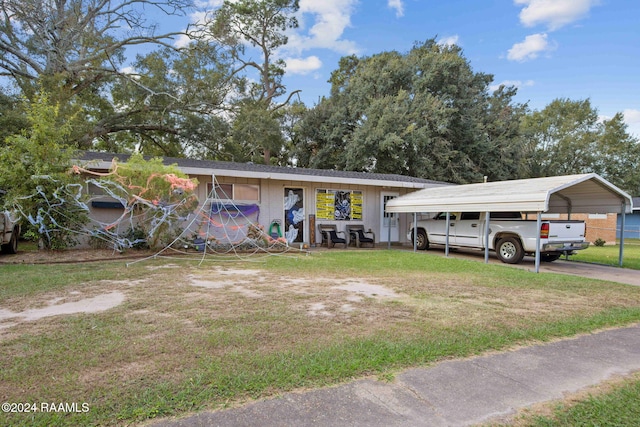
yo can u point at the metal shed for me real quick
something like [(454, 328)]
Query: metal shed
[(584, 193)]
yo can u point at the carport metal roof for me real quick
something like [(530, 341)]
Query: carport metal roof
[(585, 193)]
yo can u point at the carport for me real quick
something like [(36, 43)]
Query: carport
[(567, 194)]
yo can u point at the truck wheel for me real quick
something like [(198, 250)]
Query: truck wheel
[(423, 242), (12, 246), (549, 257), (509, 250)]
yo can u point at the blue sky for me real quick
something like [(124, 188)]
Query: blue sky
[(549, 49)]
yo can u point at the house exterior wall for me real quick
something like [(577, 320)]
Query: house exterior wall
[(631, 225), (600, 226), (272, 204)]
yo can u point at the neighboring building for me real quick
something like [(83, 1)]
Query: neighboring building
[(631, 222), (297, 198), (599, 226)]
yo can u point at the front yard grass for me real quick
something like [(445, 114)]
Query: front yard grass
[(613, 403), (610, 254), (190, 337)]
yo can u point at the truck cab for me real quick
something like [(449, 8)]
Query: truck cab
[(9, 229)]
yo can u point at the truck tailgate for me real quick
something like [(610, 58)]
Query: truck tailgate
[(566, 230)]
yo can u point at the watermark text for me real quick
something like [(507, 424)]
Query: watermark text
[(32, 407)]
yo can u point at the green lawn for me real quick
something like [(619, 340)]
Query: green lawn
[(610, 254), (616, 406), (190, 337)]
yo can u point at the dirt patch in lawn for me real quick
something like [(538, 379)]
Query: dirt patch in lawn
[(180, 321), (55, 307)]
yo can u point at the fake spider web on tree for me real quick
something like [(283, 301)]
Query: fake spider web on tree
[(160, 211)]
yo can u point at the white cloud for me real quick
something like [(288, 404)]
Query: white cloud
[(449, 41), (210, 4), (330, 18), (632, 116), (182, 41), (530, 48), (397, 6), (553, 13), (632, 119), (516, 83), (303, 66), (129, 70)]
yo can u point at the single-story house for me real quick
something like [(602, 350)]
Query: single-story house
[(286, 200)]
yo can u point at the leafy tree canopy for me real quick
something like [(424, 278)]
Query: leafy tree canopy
[(424, 113), (162, 194), (567, 137), (75, 51)]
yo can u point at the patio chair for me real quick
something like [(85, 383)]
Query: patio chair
[(329, 233), (358, 236)]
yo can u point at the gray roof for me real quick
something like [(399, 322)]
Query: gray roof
[(269, 171), (636, 203)]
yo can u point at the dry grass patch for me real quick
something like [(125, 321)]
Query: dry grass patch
[(187, 336)]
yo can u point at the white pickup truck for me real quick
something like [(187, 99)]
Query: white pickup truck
[(9, 230), (510, 235)]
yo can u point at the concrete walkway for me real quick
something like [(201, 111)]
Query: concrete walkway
[(452, 393)]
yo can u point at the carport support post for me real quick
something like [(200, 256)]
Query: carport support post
[(622, 225), (446, 236), (415, 231), (487, 221), (539, 226)]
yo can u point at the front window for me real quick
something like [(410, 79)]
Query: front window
[(238, 192)]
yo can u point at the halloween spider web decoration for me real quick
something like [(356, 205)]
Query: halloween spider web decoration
[(59, 212), (150, 210), (53, 211), (227, 230), (218, 226)]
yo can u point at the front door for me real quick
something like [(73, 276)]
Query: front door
[(389, 227), (293, 215)]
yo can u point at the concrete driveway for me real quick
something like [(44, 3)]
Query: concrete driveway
[(591, 271)]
